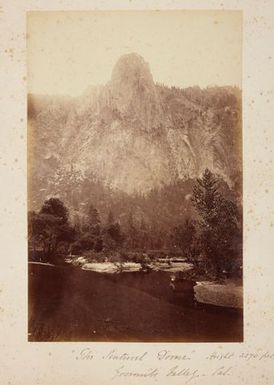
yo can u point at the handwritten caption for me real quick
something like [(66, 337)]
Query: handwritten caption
[(176, 365)]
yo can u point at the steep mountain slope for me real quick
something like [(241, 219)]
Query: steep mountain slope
[(132, 135)]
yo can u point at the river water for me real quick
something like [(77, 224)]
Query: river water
[(69, 304)]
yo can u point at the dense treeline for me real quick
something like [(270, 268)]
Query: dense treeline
[(200, 220)]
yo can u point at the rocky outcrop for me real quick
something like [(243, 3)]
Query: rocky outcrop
[(133, 134)]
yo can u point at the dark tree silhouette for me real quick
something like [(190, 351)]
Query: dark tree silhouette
[(55, 207), (184, 237), (219, 224), (50, 228)]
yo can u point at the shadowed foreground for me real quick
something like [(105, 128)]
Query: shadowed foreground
[(69, 304)]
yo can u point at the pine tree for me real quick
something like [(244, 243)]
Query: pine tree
[(93, 216), (219, 224), (110, 219), (131, 232), (91, 234), (184, 237)]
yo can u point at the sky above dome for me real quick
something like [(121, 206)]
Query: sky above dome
[(70, 51)]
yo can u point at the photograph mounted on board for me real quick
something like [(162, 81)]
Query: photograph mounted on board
[(135, 176)]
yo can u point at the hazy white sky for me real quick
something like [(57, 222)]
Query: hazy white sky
[(68, 51)]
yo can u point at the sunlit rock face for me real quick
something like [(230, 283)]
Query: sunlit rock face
[(133, 134), (133, 91)]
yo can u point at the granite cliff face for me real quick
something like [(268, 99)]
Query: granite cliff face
[(133, 134)]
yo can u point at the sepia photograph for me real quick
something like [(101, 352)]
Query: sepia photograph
[(135, 224)]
